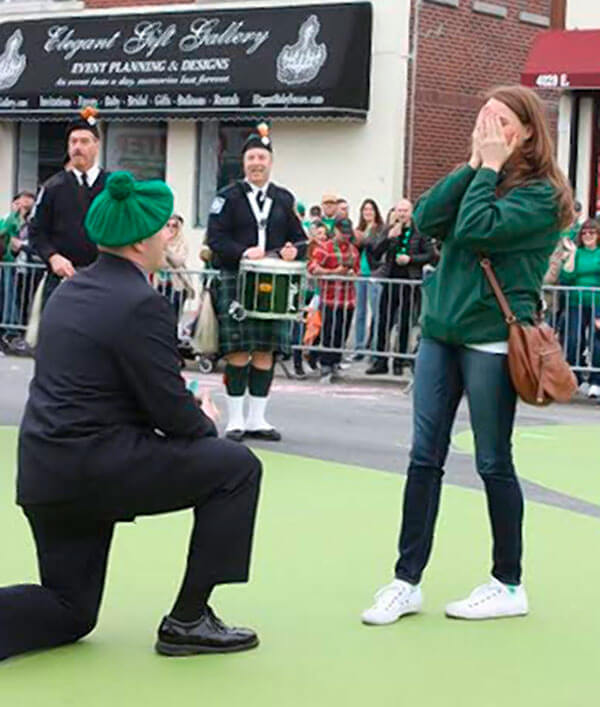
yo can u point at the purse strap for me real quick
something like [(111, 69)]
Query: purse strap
[(507, 312)]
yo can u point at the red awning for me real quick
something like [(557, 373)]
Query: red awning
[(564, 59)]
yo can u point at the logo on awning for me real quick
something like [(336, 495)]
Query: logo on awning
[(12, 64), (301, 62)]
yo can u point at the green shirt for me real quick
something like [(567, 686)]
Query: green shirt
[(9, 228), (585, 274), (518, 231), (330, 223)]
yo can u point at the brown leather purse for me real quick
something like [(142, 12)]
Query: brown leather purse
[(536, 362)]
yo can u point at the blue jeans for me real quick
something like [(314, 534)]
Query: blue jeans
[(442, 374), (580, 329), (366, 292), (10, 308)]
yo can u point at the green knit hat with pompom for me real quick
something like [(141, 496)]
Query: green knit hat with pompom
[(127, 211)]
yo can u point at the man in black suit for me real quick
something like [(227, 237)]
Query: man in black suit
[(57, 228), (251, 219), (110, 432)]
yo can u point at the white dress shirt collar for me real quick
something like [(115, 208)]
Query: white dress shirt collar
[(92, 174), (256, 189)]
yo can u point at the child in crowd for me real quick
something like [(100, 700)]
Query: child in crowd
[(335, 256)]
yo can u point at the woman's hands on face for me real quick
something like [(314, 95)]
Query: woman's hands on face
[(492, 145)]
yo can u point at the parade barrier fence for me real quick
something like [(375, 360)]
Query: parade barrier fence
[(382, 324)]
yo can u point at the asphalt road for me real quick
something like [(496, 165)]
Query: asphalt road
[(361, 422)]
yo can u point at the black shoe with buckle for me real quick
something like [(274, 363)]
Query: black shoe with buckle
[(268, 435), (234, 435), (206, 635)]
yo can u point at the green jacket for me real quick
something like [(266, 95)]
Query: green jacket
[(518, 232)]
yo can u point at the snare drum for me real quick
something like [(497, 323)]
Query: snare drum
[(271, 288)]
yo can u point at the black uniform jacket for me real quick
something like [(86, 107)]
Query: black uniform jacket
[(232, 227), (107, 376), (59, 213)]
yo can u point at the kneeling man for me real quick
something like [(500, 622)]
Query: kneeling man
[(110, 433)]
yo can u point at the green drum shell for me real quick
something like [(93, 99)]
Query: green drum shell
[(274, 294)]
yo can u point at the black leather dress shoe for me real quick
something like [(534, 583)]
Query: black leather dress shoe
[(378, 367), (207, 635), (234, 435), (269, 435)]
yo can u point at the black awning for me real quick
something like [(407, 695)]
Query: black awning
[(309, 61)]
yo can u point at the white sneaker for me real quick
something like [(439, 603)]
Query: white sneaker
[(490, 601), (594, 391), (393, 601)]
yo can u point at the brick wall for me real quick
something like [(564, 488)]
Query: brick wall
[(460, 55)]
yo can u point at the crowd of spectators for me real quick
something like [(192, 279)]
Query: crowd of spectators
[(576, 313), (375, 267), (363, 280)]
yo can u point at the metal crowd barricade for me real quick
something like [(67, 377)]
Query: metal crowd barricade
[(18, 284), (392, 313)]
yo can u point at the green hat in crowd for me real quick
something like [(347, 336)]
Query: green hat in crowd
[(127, 211)]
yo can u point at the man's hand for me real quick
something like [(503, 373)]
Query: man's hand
[(289, 252), (403, 259), (208, 407), (255, 253), (16, 244), (61, 266), (396, 230)]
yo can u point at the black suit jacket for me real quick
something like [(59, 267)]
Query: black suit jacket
[(232, 227), (57, 222), (107, 374)]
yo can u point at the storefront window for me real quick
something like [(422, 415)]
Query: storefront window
[(219, 161), (140, 148), (40, 153)]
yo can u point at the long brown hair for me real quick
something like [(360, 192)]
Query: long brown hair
[(362, 224), (534, 159)]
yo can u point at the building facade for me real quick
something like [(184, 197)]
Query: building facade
[(179, 87), (460, 49), (568, 63)]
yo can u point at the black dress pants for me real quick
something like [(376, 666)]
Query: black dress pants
[(219, 479), (396, 301)]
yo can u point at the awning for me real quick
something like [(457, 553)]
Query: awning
[(308, 61), (564, 59)]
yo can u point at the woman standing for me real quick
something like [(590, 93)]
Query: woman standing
[(582, 319), (174, 283), (509, 202), (368, 235)]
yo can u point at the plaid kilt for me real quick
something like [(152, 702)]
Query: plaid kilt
[(250, 334)]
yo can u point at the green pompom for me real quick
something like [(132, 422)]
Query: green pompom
[(120, 185)]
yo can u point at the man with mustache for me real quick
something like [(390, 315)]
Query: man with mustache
[(251, 219), (57, 231)]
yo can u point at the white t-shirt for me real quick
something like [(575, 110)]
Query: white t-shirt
[(494, 347)]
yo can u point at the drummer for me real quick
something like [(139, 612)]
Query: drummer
[(252, 218)]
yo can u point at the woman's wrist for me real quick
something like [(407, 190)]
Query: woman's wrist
[(492, 165)]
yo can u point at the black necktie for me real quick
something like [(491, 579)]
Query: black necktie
[(84, 180), (260, 199)]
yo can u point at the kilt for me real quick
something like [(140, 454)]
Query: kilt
[(250, 334)]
